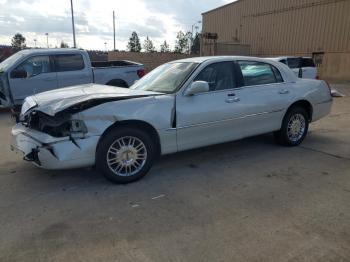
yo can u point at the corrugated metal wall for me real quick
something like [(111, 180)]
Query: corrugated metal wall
[(279, 27)]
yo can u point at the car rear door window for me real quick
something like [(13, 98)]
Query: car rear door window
[(259, 73), (69, 62), (220, 76)]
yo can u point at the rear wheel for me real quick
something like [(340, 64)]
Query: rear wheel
[(294, 127), (125, 155)]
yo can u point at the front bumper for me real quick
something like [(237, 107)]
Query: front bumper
[(49, 152)]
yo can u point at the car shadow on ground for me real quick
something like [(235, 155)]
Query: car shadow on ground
[(164, 168)]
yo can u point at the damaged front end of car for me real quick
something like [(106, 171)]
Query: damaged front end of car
[(57, 130), (60, 125), (54, 142)]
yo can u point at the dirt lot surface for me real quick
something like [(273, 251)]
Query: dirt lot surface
[(250, 200)]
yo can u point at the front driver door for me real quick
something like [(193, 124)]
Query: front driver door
[(207, 118), (39, 78)]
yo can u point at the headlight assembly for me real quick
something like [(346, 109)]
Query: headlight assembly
[(78, 126)]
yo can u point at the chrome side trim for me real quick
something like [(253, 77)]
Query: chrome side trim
[(226, 120)]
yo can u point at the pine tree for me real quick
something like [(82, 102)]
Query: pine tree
[(64, 45), (164, 48), (18, 41), (148, 45), (182, 42), (196, 44), (134, 43)]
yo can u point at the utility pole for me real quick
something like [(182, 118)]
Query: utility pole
[(113, 30), (47, 39), (74, 42)]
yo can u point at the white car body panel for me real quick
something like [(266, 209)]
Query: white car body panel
[(201, 120)]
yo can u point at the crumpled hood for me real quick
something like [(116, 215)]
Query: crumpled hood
[(57, 100)]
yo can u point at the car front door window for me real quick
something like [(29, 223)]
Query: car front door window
[(220, 76), (35, 66)]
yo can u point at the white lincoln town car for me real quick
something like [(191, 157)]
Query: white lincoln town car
[(178, 106)]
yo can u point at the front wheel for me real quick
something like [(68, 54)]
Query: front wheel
[(294, 129), (125, 155)]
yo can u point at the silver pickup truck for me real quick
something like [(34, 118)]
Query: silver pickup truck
[(33, 71)]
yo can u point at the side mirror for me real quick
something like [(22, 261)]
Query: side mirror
[(197, 87), (18, 74)]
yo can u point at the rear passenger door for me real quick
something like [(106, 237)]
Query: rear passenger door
[(72, 70), (264, 97)]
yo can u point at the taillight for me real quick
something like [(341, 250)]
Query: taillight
[(141, 73)]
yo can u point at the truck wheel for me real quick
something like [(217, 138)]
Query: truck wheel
[(125, 155), (294, 129)]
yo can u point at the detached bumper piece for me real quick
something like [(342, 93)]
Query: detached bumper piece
[(53, 153)]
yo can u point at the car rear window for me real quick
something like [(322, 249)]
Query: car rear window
[(294, 62), (307, 62)]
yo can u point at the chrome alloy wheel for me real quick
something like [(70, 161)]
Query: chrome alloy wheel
[(126, 156), (296, 127)]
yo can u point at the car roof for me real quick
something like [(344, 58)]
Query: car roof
[(286, 57), (288, 74), (50, 50), (218, 59)]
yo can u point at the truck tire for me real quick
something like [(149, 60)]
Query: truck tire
[(294, 129), (125, 155)]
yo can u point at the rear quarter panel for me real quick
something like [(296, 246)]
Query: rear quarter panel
[(316, 92)]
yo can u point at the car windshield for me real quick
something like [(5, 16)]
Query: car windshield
[(4, 65), (165, 79)]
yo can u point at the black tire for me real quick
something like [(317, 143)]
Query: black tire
[(282, 136), (111, 138)]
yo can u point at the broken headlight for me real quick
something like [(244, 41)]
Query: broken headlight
[(78, 126), (56, 126)]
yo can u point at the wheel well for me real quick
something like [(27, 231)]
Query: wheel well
[(118, 83), (137, 124), (304, 104)]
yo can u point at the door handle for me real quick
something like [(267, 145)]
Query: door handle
[(232, 100), (284, 91)]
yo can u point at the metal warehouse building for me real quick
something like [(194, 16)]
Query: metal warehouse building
[(317, 28)]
